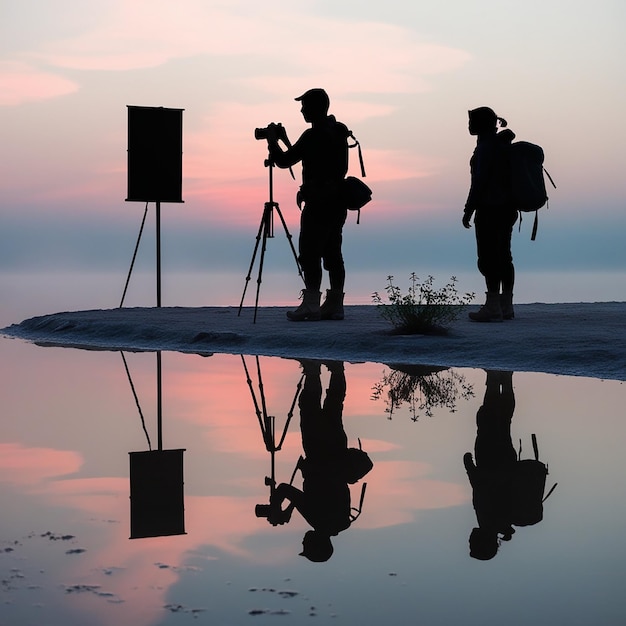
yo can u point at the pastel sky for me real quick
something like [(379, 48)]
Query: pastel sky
[(401, 75)]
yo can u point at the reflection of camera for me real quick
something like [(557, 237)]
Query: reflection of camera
[(271, 131), (273, 513), (263, 510)]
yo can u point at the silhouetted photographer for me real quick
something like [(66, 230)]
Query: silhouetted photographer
[(323, 151), (328, 467)]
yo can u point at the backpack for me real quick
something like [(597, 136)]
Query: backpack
[(528, 184), (527, 488), (356, 193)]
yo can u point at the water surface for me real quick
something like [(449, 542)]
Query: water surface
[(71, 418)]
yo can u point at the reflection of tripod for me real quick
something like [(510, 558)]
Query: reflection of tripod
[(268, 431), (266, 231)]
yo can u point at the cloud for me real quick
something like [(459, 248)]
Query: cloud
[(353, 57), (21, 83), (397, 490), (22, 465)]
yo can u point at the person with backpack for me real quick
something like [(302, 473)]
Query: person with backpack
[(507, 490), (323, 151), (490, 202), (491, 471)]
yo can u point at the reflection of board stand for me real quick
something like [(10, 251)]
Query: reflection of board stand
[(157, 506), (267, 424), (266, 231)]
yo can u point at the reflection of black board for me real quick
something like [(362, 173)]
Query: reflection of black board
[(156, 493)]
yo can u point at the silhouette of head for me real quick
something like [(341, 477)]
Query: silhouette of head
[(484, 120), (315, 104), (316, 546), (483, 544)]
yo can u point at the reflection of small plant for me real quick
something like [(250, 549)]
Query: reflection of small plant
[(423, 309), (422, 388)]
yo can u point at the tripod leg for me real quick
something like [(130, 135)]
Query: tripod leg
[(259, 279), (132, 263), (256, 247), (290, 239)]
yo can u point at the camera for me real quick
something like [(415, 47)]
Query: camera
[(270, 131), (273, 513), (263, 510)]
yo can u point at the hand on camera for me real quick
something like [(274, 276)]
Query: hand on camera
[(277, 132)]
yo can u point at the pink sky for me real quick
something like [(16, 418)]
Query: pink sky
[(401, 78)]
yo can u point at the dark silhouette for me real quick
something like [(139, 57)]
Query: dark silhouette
[(422, 388), (328, 467), (157, 501), (266, 226), (490, 201), (491, 474), (323, 151), (507, 490)]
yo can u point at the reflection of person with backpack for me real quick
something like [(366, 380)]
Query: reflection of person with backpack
[(491, 473), (490, 201), (323, 151), (328, 468)]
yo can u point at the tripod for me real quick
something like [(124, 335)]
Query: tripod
[(267, 424), (266, 231)]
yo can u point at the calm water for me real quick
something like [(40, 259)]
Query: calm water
[(71, 418)]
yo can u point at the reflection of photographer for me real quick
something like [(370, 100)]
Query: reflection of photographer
[(328, 468), (323, 151)]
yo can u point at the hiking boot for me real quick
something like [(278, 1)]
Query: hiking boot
[(490, 311), (506, 304), (310, 367), (332, 307), (309, 309)]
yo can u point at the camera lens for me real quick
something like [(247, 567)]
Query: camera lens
[(262, 510)]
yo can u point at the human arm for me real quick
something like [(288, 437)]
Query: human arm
[(283, 158), (470, 466), (480, 172), (283, 492)]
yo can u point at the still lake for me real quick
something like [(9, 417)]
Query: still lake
[(71, 418)]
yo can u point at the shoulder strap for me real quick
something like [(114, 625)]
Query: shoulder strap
[(357, 510), (357, 145)]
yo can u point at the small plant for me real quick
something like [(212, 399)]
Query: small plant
[(423, 309), (422, 388)]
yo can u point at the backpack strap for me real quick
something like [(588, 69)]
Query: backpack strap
[(535, 226), (545, 171), (549, 492), (535, 446), (533, 235)]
